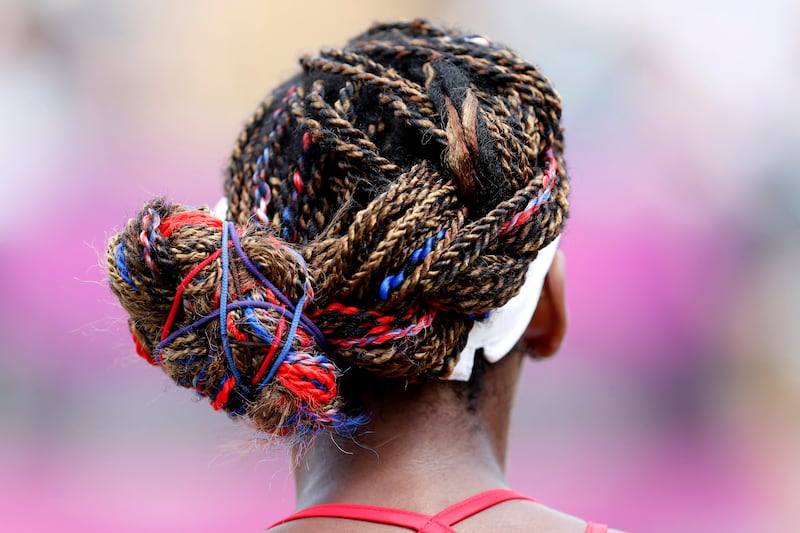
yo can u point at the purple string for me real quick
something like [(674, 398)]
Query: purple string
[(309, 325), (290, 312), (208, 318)]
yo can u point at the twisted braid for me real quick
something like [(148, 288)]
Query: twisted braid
[(380, 200)]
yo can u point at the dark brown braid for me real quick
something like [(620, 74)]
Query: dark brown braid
[(383, 198)]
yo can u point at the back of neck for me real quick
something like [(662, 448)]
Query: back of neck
[(423, 449)]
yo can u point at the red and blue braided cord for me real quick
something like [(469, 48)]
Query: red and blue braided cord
[(535, 203)]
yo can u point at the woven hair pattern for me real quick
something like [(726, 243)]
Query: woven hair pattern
[(380, 201)]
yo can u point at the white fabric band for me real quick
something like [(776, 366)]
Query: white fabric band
[(505, 325), (221, 209)]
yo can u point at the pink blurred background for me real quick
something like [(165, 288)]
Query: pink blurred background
[(674, 404)]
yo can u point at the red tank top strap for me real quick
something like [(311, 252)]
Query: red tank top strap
[(475, 504), (439, 523), (591, 527), (365, 513)]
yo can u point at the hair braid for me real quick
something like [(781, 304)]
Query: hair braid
[(379, 201)]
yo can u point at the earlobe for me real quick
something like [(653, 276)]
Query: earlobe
[(547, 328)]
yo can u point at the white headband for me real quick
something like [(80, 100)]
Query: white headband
[(221, 209), (505, 325)]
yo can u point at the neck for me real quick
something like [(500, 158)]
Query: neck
[(423, 448)]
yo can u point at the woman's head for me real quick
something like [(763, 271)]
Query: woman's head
[(379, 202)]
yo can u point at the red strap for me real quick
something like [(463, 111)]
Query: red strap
[(439, 523), (475, 504), (366, 513), (591, 527)]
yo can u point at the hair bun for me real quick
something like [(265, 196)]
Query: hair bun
[(221, 310)]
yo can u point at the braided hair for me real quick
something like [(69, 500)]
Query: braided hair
[(379, 202)]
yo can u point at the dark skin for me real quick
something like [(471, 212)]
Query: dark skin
[(424, 450)]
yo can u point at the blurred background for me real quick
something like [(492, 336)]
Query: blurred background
[(673, 406)]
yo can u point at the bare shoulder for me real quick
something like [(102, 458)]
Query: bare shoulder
[(522, 517)]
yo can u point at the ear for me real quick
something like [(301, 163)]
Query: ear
[(547, 328)]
